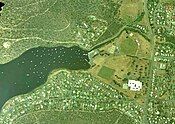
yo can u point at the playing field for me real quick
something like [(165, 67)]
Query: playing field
[(106, 72), (128, 47)]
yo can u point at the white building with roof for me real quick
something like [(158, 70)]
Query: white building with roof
[(135, 85)]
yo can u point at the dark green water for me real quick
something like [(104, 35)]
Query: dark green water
[(1, 5), (32, 68)]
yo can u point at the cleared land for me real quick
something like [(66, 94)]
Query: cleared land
[(130, 10), (124, 58), (134, 44), (106, 72), (128, 47)]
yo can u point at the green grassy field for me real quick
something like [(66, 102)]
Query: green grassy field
[(106, 72), (128, 47)]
